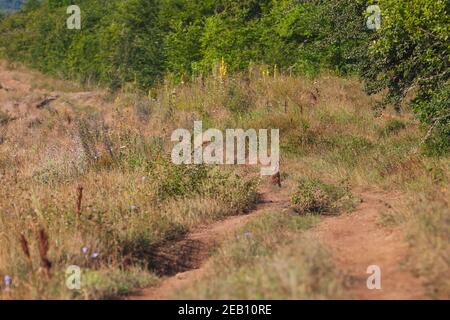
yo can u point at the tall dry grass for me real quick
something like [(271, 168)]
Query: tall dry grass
[(115, 146)]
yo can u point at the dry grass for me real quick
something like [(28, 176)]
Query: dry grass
[(116, 147)]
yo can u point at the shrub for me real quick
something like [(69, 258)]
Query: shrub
[(392, 126), (314, 196), (96, 141), (61, 164)]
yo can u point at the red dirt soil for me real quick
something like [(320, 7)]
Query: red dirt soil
[(357, 241)]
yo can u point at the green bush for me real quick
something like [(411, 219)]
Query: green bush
[(434, 111), (410, 54)]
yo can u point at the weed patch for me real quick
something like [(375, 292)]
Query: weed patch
[(314, 196)]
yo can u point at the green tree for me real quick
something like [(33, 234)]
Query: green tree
[(183, 24), (291, 33), (409, 57), (233, 33), (132, 42)]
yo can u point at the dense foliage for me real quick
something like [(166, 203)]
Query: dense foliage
[(411, 53), (141, 41)]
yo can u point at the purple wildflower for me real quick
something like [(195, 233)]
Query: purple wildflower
[(7, 280)]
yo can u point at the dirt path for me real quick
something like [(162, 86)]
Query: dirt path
[(199, 245), (358, 241), (188, 260)]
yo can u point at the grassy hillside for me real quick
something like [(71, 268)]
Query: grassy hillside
[(114, 146)]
